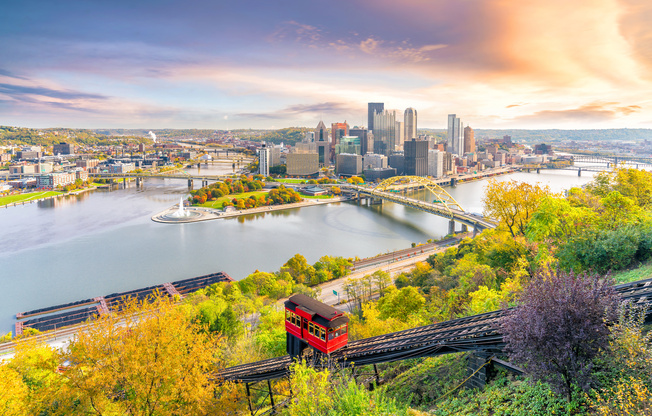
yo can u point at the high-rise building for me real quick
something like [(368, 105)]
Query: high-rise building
[(348, 164), (435, 163), (363, 134), (400, 134), (323, 143), (410, 120), (302, 164), (455, 142), (469, 140), (416, 157), (348, 144), (372, 109), (264, 156), (374, 161), (397, 161), (385, 132), (338, 130)]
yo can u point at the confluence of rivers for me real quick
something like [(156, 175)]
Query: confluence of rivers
[(102, 242)]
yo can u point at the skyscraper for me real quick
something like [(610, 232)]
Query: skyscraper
[(362, 133), (323, 144), (373, 108), (384, 132), (455, 142), (264, 156), (338, 130), (410, 120), (469, 140), (416, 157)]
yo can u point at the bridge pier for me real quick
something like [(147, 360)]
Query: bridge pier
[(579, 172), (451, 227), (479, 369), (124, 183), (453, 181), (465, 228), (538, 170), (189, 183)]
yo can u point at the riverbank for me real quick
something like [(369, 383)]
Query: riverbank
[(207, 214), (48, 195)]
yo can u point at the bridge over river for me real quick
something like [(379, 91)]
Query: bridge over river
[(443, 204)]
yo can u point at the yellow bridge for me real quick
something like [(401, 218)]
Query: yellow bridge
[(443, 205)]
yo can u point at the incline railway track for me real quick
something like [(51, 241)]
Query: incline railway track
[(478, 333)]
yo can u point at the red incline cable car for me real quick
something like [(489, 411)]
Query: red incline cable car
[(310, 322)]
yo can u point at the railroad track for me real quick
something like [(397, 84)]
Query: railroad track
[(472, 333)]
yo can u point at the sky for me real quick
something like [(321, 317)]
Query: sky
[(217, 64)]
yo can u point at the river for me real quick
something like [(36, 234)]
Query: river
[(103, 241)]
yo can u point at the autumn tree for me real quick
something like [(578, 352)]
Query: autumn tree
[(512, 203), (150, 360), (560, 327)]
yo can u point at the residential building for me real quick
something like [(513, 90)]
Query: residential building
[(264, 156), (87, 163)]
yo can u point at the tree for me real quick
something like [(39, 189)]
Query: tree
[(149, 360), (560, 327), (512, 203)]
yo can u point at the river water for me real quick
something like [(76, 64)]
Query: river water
[(103, 241)]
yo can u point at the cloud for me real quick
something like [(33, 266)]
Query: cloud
[(296, 32), (595, 112), (9, 74), (21, 92), (312, 110)]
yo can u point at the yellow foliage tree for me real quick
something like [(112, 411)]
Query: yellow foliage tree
[(149, 360), (512, 203), (14, 394)]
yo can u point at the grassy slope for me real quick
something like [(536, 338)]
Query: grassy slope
[(10, 199)]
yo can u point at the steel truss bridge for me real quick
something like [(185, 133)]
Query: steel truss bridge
[(443, 205), (478, 333)]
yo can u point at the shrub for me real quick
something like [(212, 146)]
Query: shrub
[(560, 327)]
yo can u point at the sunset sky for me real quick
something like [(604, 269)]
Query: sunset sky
[(270, 64)]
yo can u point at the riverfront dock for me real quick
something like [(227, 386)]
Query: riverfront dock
[(73, 313)]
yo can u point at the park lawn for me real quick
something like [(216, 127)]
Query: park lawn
[(292, 180), (315, 196), (10, 199), (218, 202)]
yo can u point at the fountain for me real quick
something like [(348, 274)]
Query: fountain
[(181, 213)]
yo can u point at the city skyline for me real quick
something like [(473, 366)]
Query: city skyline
[(261, 65)]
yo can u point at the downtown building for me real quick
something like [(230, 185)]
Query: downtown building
[(469, 140), (455, 139), (385, 132), (416, 157), (435, 163), (410, 123), (372, 109), (264, 159), (322, 142)]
